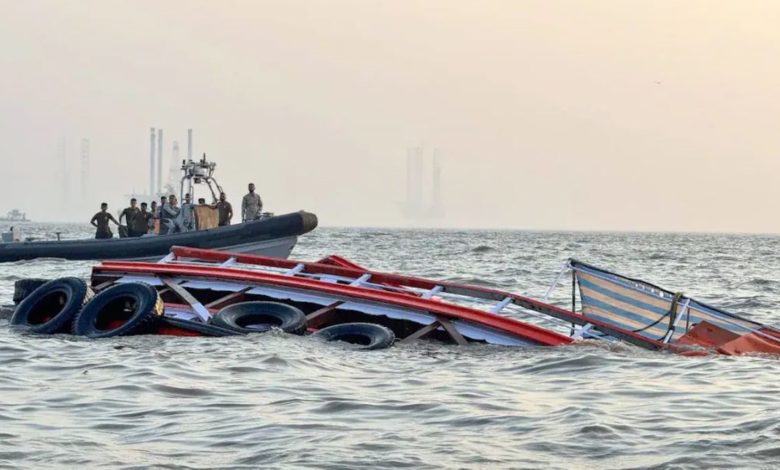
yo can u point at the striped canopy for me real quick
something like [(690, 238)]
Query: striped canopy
[(647, 309)]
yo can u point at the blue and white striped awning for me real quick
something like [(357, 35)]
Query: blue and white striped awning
[(646, 309)]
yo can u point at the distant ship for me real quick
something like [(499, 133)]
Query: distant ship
[(15, 216)]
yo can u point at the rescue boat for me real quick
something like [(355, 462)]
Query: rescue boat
[(214, 293), (273, 236), (270, 235)]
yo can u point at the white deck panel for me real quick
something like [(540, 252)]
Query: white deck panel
[(151, 280), (469, 330)]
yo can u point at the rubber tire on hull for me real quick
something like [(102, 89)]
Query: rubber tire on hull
[(366, 335), (25, 287), (264, 316), (205, 329), (50, 308), (146, 311)]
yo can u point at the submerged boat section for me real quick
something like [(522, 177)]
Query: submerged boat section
[(663, 317), (334, 290), (198, 291), (330, 293)]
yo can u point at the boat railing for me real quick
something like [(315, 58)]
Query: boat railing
[(540, 321), (479, 297)]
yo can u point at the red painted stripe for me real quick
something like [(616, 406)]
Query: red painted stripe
[(523, 330), (336, 260)]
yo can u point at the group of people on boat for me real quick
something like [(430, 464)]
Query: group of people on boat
[(168, 217)]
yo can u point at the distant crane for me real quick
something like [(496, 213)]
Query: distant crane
[(152, 140), (159, 185)]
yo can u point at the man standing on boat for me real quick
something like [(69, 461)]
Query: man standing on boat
[(187, 219), (162, 229), (129, 214), (252, 205), (170, 222), (100, 222), (140, 223), (225, 210), (154, 221), (164, 223)]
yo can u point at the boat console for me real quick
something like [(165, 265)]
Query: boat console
[(199, 172)]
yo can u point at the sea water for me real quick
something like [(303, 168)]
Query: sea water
[(274, 400)]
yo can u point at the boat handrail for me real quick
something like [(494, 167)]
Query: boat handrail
[(477, 292)]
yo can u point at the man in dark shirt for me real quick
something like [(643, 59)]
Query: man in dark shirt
[(154, 220), (165, 218), (163, 202), (129, 214), (139, 224), (159, 214), (100, 221), (225, 210)]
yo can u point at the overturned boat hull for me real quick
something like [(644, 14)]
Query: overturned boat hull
[(613, 307), (195, 284), (195, 289)]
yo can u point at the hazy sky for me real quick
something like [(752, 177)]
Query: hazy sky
[(628, 115)]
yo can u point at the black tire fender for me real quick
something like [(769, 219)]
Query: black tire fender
[(258, 317), (135, 305), (206, 329), (50, 308), (367, 336), (25, 287)]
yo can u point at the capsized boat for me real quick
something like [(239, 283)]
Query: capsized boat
[(196, 284), (194, 290)]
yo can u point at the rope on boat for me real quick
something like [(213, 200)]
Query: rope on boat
[(670, 313)]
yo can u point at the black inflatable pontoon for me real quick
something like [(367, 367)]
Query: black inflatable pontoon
[(273, 236)]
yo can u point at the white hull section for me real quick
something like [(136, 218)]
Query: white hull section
[(276, 248), (469, 330)]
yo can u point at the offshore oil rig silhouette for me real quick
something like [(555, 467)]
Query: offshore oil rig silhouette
[(422, 203)]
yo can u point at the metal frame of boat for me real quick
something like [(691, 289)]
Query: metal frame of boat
[(194, 283), (329, 292)]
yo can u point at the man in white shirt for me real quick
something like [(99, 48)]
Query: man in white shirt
[(171, 213)]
